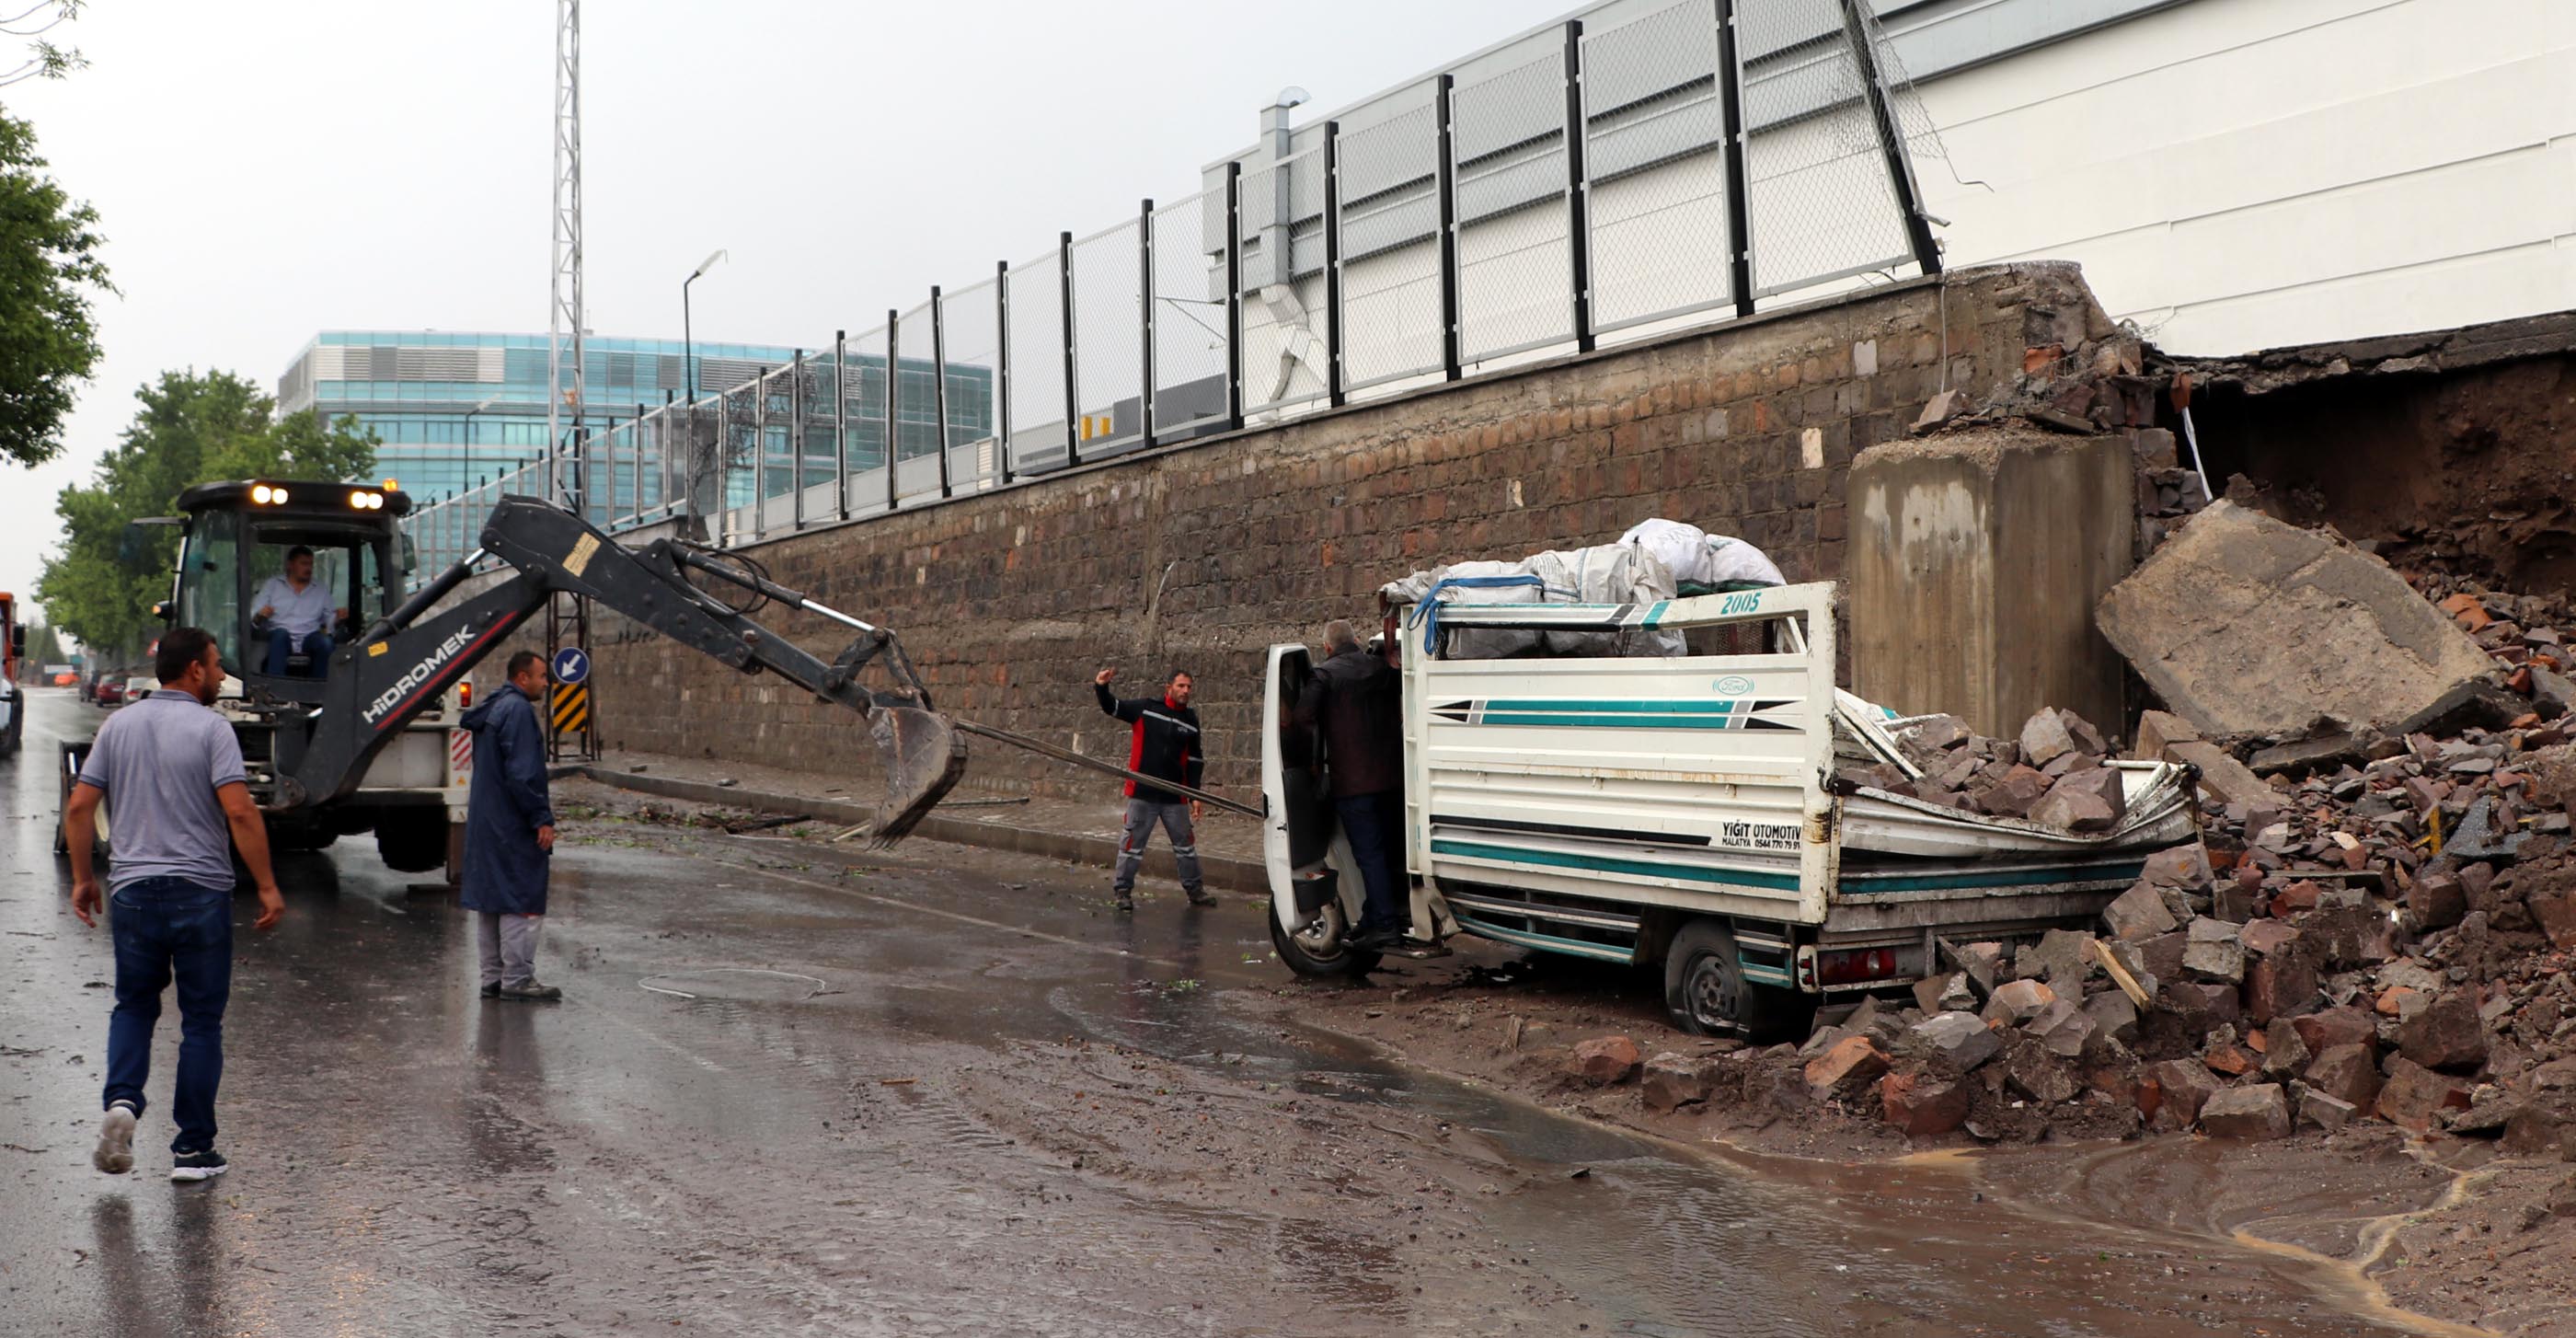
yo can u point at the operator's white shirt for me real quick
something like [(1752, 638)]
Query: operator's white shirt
[(300, 614)]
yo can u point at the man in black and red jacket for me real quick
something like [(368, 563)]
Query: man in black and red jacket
[(1164, 744)]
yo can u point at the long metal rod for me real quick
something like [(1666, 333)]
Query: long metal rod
[(1046, 749), (894, 332), (1002, 369), (1333, 336), (1233, 297), (1064, 288), (1891, 142), (939, 383), (1739, 208), (1448, 192), (1578, 212), (841, 423), (1145, 321)]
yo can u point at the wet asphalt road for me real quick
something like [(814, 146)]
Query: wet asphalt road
[(938, 1092)]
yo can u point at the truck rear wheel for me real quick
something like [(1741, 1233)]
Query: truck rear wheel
[(1707, 994), (1321, 949), (412, 840)]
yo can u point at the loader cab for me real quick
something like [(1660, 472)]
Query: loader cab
[(237, 535)]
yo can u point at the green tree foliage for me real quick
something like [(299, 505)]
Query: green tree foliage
[(191, 429), (49, 267), (43, 647)]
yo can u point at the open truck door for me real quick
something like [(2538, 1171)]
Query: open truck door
[(1315, 890)]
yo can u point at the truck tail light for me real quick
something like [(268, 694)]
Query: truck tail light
[(1855, 965)]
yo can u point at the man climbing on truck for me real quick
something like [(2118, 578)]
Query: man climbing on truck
[(1356, 701), (1164, 744)]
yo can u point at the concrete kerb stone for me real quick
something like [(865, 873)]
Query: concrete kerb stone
[(1233, 875)]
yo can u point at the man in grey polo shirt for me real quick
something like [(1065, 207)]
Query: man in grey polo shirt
[(171, 775)]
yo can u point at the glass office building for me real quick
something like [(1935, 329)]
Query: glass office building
[(453, 409)]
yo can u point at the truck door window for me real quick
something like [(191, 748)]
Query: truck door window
[(210, 588)]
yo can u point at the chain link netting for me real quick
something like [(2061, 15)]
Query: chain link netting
[(1283, 284), (1515, 268), (970, 338), (1109, 338), (1654, 167), (1821, 202), (1189, 312), (1036, 349), (1390, 247)]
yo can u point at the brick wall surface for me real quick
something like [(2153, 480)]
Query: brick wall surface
[(1200, 556)]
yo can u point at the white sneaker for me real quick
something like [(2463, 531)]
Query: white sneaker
[(115, 1154)]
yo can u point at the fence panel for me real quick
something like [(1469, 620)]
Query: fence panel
[(971, 337), (1655, 168), (916, 410), (1108, 339), (1390, 247), (1515, 259), (1037, 365), (1189, 313), (1283, 283), (1817, 184)]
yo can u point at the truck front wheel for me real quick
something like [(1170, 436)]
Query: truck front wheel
[(1707, 994), (1322, 949)]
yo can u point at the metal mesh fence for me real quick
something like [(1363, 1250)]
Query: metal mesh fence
[(970, 330), (1036, 348), (1821, 202), (1189, 312), (1654, 168), (1018, 377), (1283, 288), (1109, 339), (1390, 247)]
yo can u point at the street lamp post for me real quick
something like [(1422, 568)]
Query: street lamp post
[(468, 461), (688, 339)]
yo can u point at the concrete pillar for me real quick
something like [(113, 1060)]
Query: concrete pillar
[(1975, 561)]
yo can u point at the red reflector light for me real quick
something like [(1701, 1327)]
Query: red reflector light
[(464, 694), (1843, 968)]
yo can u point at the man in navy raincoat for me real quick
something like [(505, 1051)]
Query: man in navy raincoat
[(509, 833)]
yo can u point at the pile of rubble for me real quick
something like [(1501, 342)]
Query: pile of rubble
[(2378, 924), (2053, 774)]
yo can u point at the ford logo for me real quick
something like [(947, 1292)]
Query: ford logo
[(1735, 685)]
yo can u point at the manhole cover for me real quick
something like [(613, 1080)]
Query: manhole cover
[(736, 983)]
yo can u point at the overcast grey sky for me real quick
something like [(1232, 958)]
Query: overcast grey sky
[(266, 171)]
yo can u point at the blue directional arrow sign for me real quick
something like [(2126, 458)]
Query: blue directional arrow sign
[(572, 665)]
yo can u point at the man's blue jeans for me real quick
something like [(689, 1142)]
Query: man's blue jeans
[(281, 643), (1374, 825), (166, 928)]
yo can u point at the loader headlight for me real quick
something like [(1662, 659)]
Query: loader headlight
[(363, 500), (260, 493)]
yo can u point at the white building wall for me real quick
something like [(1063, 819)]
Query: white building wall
[(2240, 174)]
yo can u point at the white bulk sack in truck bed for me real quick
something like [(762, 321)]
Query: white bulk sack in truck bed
[(1602, 574), (1696, 557)]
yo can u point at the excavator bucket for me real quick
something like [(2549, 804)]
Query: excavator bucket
[(923, 756)]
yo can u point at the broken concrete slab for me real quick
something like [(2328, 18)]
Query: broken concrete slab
[(2247, 1112), (2246, 625), (2222, 775)]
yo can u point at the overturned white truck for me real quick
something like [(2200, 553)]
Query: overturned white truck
[(1654, 783)]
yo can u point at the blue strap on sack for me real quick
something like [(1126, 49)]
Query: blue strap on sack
[(1426, 612)]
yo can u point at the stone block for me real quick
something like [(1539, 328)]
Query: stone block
[(1921, 1105), (2414, 1097), (2213, 951), (1852, 1066), (1960, 1040), (2082, 801), (2445, 1034), (1604, 1060), (2063, 1027), (2343, 1025), (2260, 1111), (2156, 730), (2138, 914), (2044, 738), (2244, 624), (2186, 1085), (2320, 1111), (2221, 774), (2279, 986), (2185, 866), (1672, 1081), (2019, 1001), (2039, 1073), (2345, 1072)]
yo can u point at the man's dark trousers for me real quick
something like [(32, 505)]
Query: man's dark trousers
[(165, 928), (1374, 825)]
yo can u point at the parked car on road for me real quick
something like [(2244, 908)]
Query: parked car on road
[(140, 686), (110, 692)]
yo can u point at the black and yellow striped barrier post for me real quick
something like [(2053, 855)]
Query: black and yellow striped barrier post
[(571, 707)]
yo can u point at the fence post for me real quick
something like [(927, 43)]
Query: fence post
[(1002, 369), (894, 349), (1145, 321), (760, 456), (1234, 297), (1739, 207), (1072, 397), (939, 382), (1447, 186), (1578, 211), (841, 424), (796, 438), (639, 463), (1332, 264), (1891, 144)]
